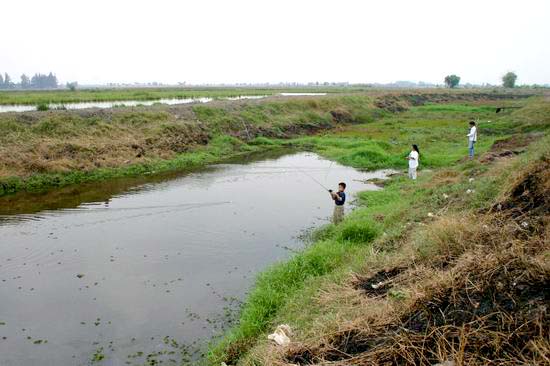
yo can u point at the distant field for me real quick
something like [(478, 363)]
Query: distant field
[(38, 97), (32, 97)]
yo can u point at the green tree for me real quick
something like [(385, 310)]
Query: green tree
[(509, 79), (42, 81), (25, 82), (51, 81), (7, 81), (452, 80), (72, 85)]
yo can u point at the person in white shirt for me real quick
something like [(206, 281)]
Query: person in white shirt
[(472, 138), (413, 159)]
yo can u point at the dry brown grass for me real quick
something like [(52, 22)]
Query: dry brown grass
[(444, 176), (473, 289), (88, 150)]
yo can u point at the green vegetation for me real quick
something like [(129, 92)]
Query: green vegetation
[(62, 148), (439, 130), (218, 149), (72, 85), (387, 220), (509, 80), (367, 131), (42, 107), (451, 81), (38, 151), (98, 356)]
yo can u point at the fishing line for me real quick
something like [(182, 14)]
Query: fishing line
[(313, 179), (196, 204), (14, 219), (170, 209), (328, 170)]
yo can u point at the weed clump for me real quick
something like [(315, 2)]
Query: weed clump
[(358, 232)]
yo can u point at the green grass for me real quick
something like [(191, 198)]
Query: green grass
[(278, 287), (384, 143), (283, 293), (455, 108)]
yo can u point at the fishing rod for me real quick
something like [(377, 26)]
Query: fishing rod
[(313, 179), (328, 170)]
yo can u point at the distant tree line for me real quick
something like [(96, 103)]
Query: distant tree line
[(38, 81), (508, 80)]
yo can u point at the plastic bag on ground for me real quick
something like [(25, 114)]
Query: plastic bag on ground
[(281, 336)]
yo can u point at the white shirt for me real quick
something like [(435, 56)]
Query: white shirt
[(413, 159), (472, 136)]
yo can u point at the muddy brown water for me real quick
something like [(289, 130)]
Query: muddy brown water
[(115, 272)]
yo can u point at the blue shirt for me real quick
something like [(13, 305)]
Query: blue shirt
[(340, 202)]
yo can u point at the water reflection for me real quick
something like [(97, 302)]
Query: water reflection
[(122, 103), (136, 267), (135, 103)]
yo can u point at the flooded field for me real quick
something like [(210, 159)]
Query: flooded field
[(122, 103), (135, 103), (125, 272)]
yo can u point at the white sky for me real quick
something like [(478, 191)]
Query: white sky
[(217, 41)]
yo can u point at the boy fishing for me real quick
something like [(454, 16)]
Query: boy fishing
[(339, 198)]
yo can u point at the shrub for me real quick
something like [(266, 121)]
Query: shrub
[(42, 107)]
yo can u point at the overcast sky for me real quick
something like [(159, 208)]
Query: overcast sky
[(222, 41)]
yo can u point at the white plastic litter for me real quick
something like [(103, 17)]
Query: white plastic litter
[(471, 180), (430, 214), (281, 336), (446, 363)]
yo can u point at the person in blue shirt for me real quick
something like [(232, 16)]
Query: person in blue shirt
[(339, 199)]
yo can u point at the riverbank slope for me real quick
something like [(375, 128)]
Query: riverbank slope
[(452, 267)]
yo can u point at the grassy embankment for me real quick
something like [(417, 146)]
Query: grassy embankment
[(41, 150), (453, 266)]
